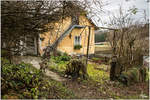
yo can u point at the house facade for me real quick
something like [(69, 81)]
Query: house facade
[(70, 34), (74, 33)]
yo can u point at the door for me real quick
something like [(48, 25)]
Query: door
[(31, 45)]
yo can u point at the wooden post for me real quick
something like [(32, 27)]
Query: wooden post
[(88, 45), (113, 68)]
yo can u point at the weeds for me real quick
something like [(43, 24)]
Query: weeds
[(30, 83)]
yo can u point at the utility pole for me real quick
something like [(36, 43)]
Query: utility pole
[(87, 54)]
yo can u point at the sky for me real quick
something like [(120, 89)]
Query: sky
[(113, 6)]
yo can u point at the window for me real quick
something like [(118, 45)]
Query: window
[(77, 40)]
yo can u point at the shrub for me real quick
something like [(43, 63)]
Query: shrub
[(95, 59), (133, 75), (28, 82), (77, 47), (19, 76), (63, 57)]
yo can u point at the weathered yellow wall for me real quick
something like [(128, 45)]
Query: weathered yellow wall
[(50, 36), (67, 44)]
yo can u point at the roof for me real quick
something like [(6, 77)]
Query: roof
[(96, 27)]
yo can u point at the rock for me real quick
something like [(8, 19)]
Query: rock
[(69, 76), (65, 76), (143, 96), (104, 92), (83, 86), (44, 87)]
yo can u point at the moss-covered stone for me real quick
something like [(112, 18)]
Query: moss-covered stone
[(133, 75)]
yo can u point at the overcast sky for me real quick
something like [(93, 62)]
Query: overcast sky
[(113, 6)]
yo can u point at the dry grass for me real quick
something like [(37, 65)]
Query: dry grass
[(103, 48)]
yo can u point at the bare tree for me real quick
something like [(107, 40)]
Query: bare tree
[(128, 40), (22, 18), (72, 9)]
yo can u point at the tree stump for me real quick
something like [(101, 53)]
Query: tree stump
[(113, 64), (76, 68)]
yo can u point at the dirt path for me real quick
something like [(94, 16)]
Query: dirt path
[(83, 90), (35, 62), (80, 90)]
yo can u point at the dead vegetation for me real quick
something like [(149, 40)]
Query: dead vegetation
[(76, 68)]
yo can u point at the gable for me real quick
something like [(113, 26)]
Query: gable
[(84, 20)]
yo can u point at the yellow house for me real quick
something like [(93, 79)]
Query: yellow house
[(71, 33)]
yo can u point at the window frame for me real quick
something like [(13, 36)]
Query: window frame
[(77, 40)]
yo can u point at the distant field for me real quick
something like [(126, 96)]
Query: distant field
[(103, 48)]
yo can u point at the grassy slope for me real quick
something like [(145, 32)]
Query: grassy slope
[(48, 88)]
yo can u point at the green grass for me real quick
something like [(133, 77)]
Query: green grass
[(58, 90), (95, 58), (96, 75), (58, 67), (99, 80), (58, 63)]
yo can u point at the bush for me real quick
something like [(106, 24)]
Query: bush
[(24, 81), (63, 57), (21, 76), (133, 75)]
